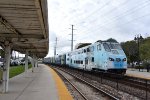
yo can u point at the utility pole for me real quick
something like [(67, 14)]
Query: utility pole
[(55, 47), (72, 38), (138, 39)]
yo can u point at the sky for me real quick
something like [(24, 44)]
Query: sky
[(96, 20)]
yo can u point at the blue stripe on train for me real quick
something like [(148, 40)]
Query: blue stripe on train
[(118, 64)]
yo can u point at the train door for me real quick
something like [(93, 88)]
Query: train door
[(100, 56), (86, 63)]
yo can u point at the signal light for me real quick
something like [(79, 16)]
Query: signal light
[(124, 59), (111, 59)]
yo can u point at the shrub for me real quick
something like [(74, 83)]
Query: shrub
[(139, 67), (146, 65)]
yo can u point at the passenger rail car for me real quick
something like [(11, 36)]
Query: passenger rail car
[(101, 55)]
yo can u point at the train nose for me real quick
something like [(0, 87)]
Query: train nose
[(117, 62)]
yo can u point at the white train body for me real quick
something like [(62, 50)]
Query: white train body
[(102, 55)]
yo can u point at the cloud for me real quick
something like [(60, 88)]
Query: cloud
[(96, 20)]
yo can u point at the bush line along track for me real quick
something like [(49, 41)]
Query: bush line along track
[(134, 86), (89, 84)]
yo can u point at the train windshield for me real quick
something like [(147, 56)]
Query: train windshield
[(106, 47), (109, 46), (114, 46)]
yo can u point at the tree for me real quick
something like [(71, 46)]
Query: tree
[(2, 54), (111, 40), (131, 50), (145, 49)]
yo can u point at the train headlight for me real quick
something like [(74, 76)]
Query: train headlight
[(111, 59), (124, 59)]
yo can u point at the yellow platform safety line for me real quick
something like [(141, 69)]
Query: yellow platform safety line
[(63, 92)]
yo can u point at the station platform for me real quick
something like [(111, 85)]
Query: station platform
[(42, 84), (136, 73)]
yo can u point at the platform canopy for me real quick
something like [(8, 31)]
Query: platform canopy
[(24, 23)]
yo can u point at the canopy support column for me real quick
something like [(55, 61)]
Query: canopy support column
[(36, 62), (5, 81), (33, 63), (26, 62)]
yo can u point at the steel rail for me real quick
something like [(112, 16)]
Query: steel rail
[(136, 83), (91, 85), (85, 98)]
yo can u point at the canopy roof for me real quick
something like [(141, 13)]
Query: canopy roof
[(24, 24)]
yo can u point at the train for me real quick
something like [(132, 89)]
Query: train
[(100, 56)]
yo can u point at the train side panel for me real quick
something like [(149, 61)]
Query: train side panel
[(100, 57), (107, 56)]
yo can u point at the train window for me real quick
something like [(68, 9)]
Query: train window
[(92, 48), (71, 60), (106, 47), (92, 59), (81, 62), (77, 61), (84, 50), (99, 47), (74, 61), (67, 58), (86, 61), (88, 49), (115, 46), (115, 52)]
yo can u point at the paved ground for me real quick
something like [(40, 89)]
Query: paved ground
[(137, 73), (44, 84), (39, 85)]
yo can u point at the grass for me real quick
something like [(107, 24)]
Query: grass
[(16, 70)]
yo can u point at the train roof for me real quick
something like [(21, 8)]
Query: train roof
[(109, 40), (80, 45)]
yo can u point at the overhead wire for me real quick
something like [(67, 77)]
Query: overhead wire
[(112, 20), (130, 10), (120, 25), (99, 9), (111, 11)]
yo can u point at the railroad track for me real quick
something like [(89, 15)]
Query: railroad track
[(136, 87), (60, 74), (107, 95)]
